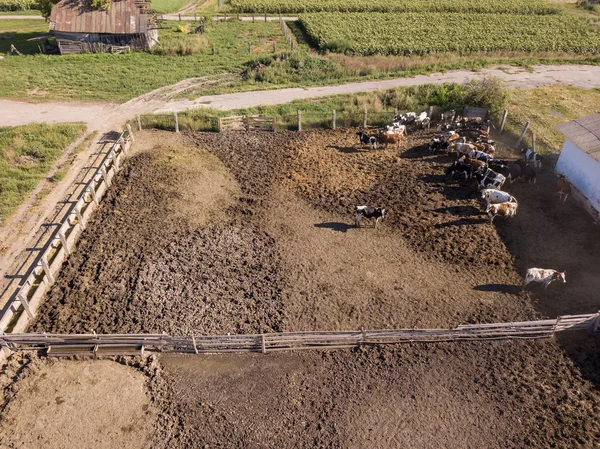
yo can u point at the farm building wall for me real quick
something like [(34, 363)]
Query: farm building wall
[(581, 170), (99, 42)]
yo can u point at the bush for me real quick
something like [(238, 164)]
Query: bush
[(17, 5), (489, 92)]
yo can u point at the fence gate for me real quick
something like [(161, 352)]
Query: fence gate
[(247, 123)]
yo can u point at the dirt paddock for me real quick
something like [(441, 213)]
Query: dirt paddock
[(252, 232)]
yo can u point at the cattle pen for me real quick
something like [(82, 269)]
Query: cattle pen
[(136, 344)]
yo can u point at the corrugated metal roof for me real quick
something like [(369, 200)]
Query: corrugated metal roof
[(122, 17), (585, 133)]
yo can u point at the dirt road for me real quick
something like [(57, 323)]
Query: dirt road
[(96, 115)]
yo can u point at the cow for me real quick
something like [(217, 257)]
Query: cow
[(533, 157), (386, 138), (376, 213), (462, 148), (409, 117), (458, 167), (511, 172), (437, 144), (508, 209), (493, 196), (563, 188), (476, 165), (365, 139), (543, 276), (528, 172), (395, 127), (448, 116), (425, 123), (480, 156), (490, 179)]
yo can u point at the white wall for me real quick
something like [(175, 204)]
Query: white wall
[(581, 170)]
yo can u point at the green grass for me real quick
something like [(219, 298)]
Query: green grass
[(546, 107), (167, 6), (26, 12), (125, 76), (17, 31), (27, 153)]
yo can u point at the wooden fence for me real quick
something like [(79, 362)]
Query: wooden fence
[(132, 344), (43, 275)]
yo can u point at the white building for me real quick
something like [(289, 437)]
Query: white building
[(579, 159)]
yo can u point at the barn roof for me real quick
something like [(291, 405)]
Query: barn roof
[(121, 17), (585, 133)]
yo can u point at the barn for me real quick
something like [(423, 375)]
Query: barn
[(579, 159), (122, 25)]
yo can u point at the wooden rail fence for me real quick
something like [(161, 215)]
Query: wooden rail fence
[(136, 344), (43, 275)]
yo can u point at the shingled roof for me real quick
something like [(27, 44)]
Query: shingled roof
[(122, 17), (585, 133)]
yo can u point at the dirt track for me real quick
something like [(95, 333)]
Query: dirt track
[(258, 239)]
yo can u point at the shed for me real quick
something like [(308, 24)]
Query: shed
[(123, 24), (579, 158)]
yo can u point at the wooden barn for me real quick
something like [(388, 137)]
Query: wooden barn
[(123, 25)]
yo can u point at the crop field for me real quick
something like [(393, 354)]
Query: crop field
[(472, 6), (417, 34), (210, 233)]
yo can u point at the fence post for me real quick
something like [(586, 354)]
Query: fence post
[(79, 217), (139, 120), (522, 134), (264, 346), (503, 122), (220, 124), (333, 117), (265, 17), (249, 47), (63, 240), (195, 20), (430, 111), (213, 49), (93, 192), (46, 269), (219, 4), (365, 119), (180, 17), (130, 132), (299, 120), (533, 141), (25, 304), (176, 122), (252, 17)]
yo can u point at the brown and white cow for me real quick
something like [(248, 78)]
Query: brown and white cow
[(385, 139), (508, 209), (563, 187), (543, 276)]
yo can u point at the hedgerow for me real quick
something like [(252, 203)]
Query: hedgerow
[(17, 5)]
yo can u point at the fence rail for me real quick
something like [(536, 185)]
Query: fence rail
[(43, 275), (127, 344)]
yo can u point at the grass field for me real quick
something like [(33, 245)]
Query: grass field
[(26, 12), (167, 6), (26, 155), (17, 31)]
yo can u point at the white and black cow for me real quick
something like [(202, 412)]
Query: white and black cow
[(528, 172), (365, 139), (376, 213), (490, 179), (460, 168), (437, 144), (493, 196), (533, 157), (544, 276)]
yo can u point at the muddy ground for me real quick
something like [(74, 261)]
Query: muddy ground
[(251, 232)]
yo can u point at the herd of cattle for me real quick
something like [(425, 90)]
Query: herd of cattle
[(467, 142)]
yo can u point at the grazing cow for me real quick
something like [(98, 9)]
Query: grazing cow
[(376, 213), (395, 127), (480, 156), (476, 165), (528, 172), (563, 187), (502, 209), (437, 144), (511, 172), (386, 138), (365, 139), (544, 276), (490, 179), (493, 196), (458, 167), (462, 148), (533, 157), (409, 117)]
